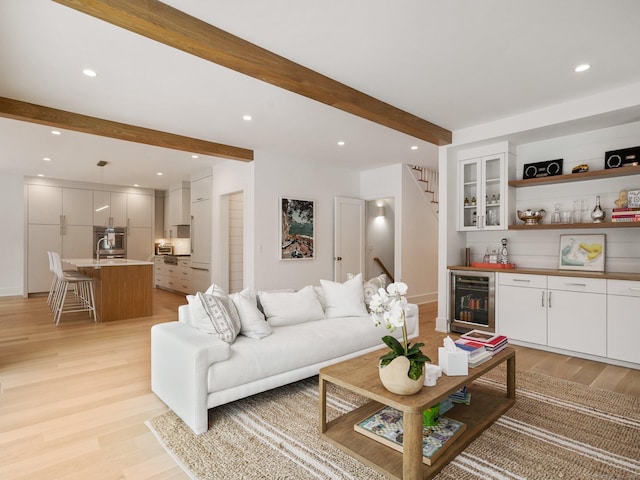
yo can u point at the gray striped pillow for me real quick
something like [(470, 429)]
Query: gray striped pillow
[(222, 314)]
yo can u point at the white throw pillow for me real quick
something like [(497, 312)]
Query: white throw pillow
[(344, 299), (286, 308), (371, 287), (214, 314), (252, 320)]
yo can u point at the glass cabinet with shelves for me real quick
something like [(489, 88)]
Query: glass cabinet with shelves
[(482, 193)]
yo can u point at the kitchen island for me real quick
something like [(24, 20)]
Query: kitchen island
[(122, 286)]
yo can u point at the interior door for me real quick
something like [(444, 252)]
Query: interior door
[(349, 237)]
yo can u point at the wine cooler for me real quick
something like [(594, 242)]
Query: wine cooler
[(472, 301)]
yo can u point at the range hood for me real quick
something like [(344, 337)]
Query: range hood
[(180, 231)]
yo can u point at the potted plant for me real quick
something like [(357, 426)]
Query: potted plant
[(402, 369)]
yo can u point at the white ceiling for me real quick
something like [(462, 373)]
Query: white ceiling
[(456, 63)]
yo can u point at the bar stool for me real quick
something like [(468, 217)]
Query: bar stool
[(84, 300)]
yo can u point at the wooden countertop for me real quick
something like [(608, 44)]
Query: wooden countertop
[(556, 272), (104, 262)]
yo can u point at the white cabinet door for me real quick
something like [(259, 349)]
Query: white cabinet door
[(623, 320), (139, 243), (139, 210), (41, 238), (44, 205), (77, 242), (109, 209), (179, 206), (201, 233), (578, 321), (482, 193), (118, 209), (201, 189), (77, 206), (200, 279), (522, 314)]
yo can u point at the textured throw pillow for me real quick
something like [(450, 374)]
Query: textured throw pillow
[(215, 314), (371, 287), (252, 321), (286, 308), (344, 299)]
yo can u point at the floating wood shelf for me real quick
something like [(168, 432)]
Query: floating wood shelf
[(577, 177)]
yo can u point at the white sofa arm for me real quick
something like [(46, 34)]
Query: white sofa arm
[(183, 314), (180, 360)]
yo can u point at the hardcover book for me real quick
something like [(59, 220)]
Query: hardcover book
[(386, 427)]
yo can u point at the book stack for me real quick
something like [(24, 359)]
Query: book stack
[(461, 396), (490, 341), (476, 352), (386, 426), (629, 214)]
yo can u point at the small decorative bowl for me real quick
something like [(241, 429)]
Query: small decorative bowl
[(531, 217)]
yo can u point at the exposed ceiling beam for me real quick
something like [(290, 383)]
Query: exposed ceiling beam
[(165, 24), (30, 112)]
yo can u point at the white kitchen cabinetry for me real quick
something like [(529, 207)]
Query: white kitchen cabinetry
[(482, 193), (180, 204), (139, 210), (109, 208), (173, 277), (522, 307), (139, 243), (623, 320), (577, 314), (201, 232), (201, 189), (60, 220)]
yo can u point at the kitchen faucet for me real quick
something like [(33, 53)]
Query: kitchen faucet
[(103, 239)]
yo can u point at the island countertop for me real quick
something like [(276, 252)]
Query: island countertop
[(104, 262)]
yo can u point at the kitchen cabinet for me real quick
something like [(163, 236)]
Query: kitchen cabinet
[(139, 243), (522, 307), (139, 210), (201, 233), (623, 320), (59, 219), (180, 204), (109, 208), (173, 277), (482, 193), (555, 311), (577, 314), (201, 189)]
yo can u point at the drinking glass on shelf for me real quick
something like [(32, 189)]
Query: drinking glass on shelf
[(578, 206)]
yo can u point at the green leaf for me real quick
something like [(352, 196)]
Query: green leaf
[(388, 357), (393, 344), (415, 348), (415, 370)]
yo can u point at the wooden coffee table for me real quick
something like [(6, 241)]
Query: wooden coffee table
[(360, 375)]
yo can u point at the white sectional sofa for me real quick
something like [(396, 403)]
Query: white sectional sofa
[(193, 371)]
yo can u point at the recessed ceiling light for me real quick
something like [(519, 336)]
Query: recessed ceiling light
[(136, 185), (40, 175), (194, 156), (582, 68), (159, 174), (46, 159), (341, 143), (89, 72), (414, 147), (56, 132), (247, 118)]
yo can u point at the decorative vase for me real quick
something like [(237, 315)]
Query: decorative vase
[(598, 214), (395, 377)]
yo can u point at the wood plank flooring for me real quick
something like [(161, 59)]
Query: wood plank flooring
[(73, 399)]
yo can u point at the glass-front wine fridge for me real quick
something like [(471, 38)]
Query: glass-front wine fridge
[(472, 301)]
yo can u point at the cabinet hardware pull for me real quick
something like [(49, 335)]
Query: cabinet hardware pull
[(521, 280), (634, 289), (576, 284), (549, 299), (542, 298)]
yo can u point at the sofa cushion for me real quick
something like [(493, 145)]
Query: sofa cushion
[(252, 321), (289, 308), (214, 314), (344, 299), (371, 287), (296, 346)]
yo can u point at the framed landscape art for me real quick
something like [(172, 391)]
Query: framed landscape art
[(582, 252), (297, 229)]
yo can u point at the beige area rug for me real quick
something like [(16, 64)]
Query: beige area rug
[(556, 430)]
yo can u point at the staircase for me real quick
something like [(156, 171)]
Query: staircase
[(427, 180)]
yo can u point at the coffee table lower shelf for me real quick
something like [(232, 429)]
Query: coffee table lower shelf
[(487, 405)]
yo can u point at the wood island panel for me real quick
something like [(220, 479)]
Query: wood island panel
[(122, 292)]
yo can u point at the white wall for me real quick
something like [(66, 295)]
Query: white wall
[(12, 238), (277, 176)]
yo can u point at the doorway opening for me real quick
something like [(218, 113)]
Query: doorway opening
[(233, 210), (380, 238)]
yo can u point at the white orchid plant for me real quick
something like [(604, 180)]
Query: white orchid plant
[(389, 307)]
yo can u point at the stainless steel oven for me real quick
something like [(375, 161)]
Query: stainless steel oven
[(472, 297), (110, 242)]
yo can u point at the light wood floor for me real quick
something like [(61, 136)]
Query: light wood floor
[(73, 399)]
